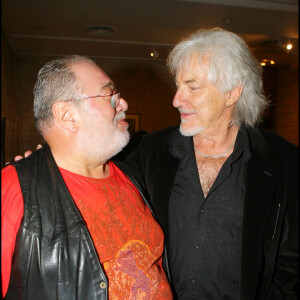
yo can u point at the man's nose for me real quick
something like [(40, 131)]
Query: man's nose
[(123, 106), (178, 98)]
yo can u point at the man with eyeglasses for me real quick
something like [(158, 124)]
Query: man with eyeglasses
[(74, 226)]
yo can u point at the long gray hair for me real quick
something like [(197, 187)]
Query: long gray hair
[(230, 64), (56, 82)]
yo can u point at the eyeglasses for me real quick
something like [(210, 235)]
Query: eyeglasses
[(114, 101)]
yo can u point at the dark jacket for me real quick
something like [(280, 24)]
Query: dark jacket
[(270, 224), (54, 256)]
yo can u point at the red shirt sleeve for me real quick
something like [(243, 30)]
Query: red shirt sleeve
[(11, 215)]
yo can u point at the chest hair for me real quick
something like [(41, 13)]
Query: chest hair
[(208, 170)]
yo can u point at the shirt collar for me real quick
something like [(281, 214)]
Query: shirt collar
[(180, 145), (242, 144)]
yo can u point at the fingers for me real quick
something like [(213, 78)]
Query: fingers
[(27, 153), (18, 157)]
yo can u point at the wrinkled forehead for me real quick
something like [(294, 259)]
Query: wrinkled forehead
[(196, 65)]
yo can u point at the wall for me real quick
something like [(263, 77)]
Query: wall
[(270, 87), (149, 90), (27, 69), (8, 80), (281, 88), (147, 86), (287, 104), (9, 118)]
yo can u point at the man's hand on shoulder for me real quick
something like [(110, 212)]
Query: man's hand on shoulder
[(26, 153)]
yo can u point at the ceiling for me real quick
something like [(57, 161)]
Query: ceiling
[(58, 27)]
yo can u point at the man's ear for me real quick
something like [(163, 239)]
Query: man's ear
[(64, 115), (233, 95)]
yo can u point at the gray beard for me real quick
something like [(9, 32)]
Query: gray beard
[(110, 142), (117, 141), (120, 140), (190, 132)]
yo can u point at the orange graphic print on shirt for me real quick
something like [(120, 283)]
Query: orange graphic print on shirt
[(133, 271), (128, 240)]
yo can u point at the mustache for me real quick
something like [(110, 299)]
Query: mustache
[(121, 115)]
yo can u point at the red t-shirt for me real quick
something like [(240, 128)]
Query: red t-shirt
[(128, 240)]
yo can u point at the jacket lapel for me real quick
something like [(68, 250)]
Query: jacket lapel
[(260, 180), (166, 164)]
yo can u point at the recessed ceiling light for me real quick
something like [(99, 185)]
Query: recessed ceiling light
[(154, 53), (289, 46), (101, 30), (285, 44)]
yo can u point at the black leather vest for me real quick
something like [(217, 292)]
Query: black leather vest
[(54, 256)]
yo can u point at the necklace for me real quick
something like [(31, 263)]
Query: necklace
[(217, 155)]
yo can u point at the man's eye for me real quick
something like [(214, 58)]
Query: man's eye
[(109, 92), (194, 88), (112, 92)]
